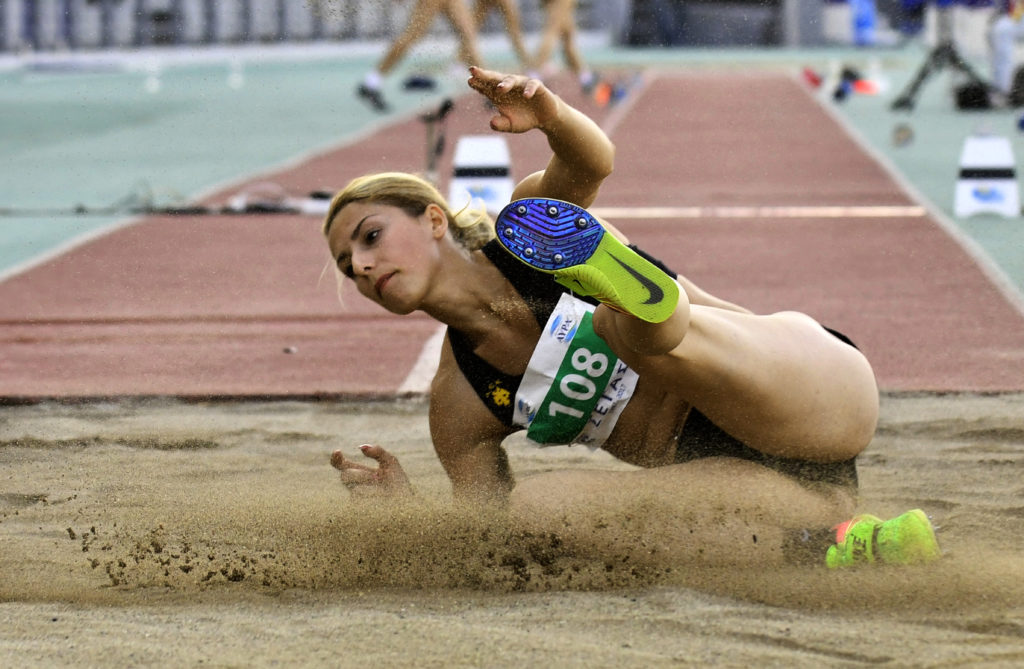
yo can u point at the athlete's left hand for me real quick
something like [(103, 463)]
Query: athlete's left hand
[(388, 479), (522, 103)]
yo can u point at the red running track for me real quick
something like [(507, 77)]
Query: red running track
[(241, 307)]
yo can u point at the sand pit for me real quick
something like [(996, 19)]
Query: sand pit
[(216, 534)]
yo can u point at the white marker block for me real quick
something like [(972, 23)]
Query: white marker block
[(482, 174), (987, 181)]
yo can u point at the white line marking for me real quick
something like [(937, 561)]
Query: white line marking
[(422, 372), (65, 247), (812, 211)]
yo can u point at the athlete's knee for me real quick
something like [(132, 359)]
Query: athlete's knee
[(623, 331)]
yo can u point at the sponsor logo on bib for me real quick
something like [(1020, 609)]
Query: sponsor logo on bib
[(575, 387)]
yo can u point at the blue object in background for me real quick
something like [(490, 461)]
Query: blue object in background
[(865, 19)]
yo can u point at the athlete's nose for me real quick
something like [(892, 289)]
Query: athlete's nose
[(362, 263)]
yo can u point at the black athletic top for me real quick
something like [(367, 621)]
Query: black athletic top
[(699, 438), (541, 293)]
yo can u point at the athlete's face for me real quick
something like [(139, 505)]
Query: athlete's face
[(388, 253)]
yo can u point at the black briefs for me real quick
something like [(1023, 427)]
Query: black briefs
[(700, 438)]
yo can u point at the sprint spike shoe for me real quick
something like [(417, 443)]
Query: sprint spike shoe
[(905, 539), (567, 242)]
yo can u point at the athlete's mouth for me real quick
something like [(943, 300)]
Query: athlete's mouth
[(381, 282)]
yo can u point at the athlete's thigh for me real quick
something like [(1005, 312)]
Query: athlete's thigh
[(421, 17), (480, 10), (562, 13), (459, 15), (780, 383)]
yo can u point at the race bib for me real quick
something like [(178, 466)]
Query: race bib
[(574, 388)]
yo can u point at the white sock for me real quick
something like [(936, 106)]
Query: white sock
[(372, 80)]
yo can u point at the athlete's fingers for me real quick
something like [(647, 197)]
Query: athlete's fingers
[(354, 474), (492, 83), (482, 74), (501, 123), (530, 88), (354, 477), (375, 452), (339, 461), (507, 83), (481, 79), (475, 81)]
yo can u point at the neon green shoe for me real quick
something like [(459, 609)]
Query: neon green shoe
[(905, 539), (567, 242)]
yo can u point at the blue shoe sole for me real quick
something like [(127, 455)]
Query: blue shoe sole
[(569, 243), (548, 234)]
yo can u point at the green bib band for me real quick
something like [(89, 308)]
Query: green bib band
[(575, 387)]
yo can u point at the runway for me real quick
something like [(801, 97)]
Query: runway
[(771, 204)]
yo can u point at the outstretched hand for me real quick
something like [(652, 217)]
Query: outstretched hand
[(387, 479), (522, 103)]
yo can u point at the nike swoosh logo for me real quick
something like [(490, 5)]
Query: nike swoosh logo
[(657, 294)]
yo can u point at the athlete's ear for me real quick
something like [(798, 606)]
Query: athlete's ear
[(438, 220)]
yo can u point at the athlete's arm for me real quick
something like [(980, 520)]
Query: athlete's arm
[(467, 437), (582, 155)]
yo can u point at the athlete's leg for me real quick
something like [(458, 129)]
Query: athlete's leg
[(421, 17), (568, 242), (1004, 33), (780, 383), (569, 49), (478, 14), (514, 28), (556, 13), (717, 511), (462, 22), (1001, 52), (481, 8)]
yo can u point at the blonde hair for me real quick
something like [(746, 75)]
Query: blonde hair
[(472, 228)]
